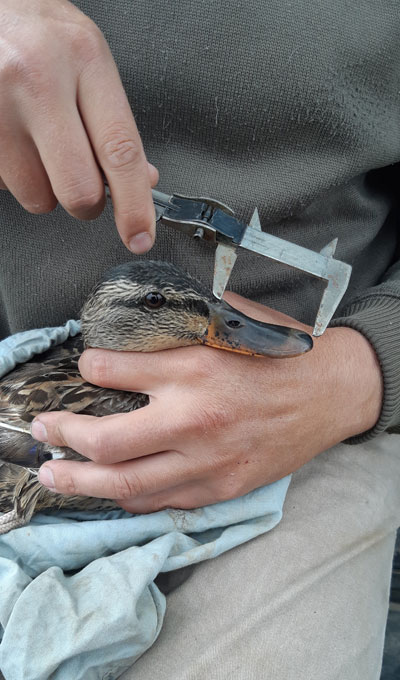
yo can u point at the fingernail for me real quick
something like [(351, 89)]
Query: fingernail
[(38, 431), (141, 243), (46, 478)]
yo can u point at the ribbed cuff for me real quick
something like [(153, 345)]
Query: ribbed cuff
[(377, 316)]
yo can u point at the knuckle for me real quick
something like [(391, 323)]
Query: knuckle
[(87, 41), (120, 149), (127, 486), (199, 369), (25, 67), (15, 64), (96, 446), (95, 366), (210, 418), (204, 365), (81, 198)]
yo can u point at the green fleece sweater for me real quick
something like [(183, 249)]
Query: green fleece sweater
[(293, 107)]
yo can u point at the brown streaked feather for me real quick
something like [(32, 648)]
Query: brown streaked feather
[(52, 382)]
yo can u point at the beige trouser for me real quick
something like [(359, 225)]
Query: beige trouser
[(307, 601)]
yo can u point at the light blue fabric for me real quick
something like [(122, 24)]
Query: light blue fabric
[(18, 348), (78, 599)]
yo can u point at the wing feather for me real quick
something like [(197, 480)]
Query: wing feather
[(52, 382)]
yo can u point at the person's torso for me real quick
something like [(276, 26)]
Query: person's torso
[(290, 107)]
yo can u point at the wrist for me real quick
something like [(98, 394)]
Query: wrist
[(356, 380)]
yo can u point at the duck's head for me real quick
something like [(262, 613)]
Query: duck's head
[(148, 306)]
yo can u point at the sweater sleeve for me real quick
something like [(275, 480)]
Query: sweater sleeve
[(376, 314)]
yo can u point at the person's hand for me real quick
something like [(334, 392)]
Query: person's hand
[(218, 424), (63, 115)]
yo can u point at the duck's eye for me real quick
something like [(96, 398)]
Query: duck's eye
[(154, 300)]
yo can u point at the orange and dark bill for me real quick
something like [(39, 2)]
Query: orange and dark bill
[(230, 329)]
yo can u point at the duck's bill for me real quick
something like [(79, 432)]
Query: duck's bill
[(231, 330)]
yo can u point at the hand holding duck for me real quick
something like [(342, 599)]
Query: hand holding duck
[(218, 424)]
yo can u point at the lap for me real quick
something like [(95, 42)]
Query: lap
[(306, 600)]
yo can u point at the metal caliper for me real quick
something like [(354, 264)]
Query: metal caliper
[(211, 220)]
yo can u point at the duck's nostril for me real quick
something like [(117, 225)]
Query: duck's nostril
[(234, 323)]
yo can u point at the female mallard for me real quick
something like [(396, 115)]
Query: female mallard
[(139, 306)]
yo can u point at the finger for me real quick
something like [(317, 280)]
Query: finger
[(123, 481), (134, 371), (68, 158), (109, 439), (23, 174), (2, 185), (116, 142), (154, 175)]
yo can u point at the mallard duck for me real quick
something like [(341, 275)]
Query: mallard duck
[(139, 306)]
